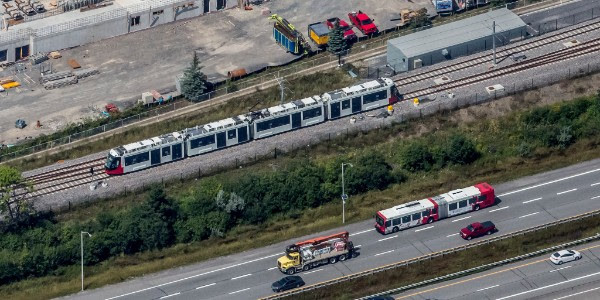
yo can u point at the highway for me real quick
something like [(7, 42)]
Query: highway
[(535, 278), (522, 203)]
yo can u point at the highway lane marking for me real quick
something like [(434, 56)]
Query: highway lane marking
[(239, 291), (566, 192), (194, 276), (382, 253), (167, 296), (205, 286), (360, 232), (531, 214), (461, 219), (273, 268), (452, 234), (501, 208), (549, 182), (594, 197), (560, 269), (548, 286), (583, 292), (387, 238), (593, 184), (317, 270), (484, 275), (245, 275), (424, 228), (529, 201), (487, 288)]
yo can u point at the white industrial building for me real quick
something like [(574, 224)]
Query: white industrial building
[(47, 32), (454, 39)]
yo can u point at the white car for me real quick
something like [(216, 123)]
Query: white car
[(563, 256)]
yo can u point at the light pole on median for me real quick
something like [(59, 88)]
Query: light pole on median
[(82, 233), (344, 196)]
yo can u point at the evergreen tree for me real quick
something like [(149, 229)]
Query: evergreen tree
[(193, 83), (336, 43)]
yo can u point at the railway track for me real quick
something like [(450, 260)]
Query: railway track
[(502, 54), (592, 46)]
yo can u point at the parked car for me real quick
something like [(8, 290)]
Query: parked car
[(477, 229), (287, 283), (363, 22), (563, 256), (349, 34)]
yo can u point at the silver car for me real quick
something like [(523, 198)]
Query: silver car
[(563, 256)]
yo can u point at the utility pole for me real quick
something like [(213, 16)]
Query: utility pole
[(344, 196), (281, 88), (494, 39), (83, 232)]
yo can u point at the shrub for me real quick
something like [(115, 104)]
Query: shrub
[(416, 157)]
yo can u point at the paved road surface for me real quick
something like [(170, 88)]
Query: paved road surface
[(535, 278), (522, 203), (562, 15)]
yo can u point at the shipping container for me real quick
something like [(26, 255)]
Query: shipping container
[(319, 33)]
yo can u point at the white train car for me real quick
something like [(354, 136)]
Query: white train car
[(286, 117), (217, 135), (361, 97)]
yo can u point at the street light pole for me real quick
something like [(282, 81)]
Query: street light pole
[(344, 196), (82, 256)]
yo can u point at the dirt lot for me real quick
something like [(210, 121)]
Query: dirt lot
[(150, 59)]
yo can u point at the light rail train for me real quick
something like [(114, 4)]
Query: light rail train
[(251, 126)]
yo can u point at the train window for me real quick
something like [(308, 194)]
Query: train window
[(166, 151), (137, 158), (462, 204), (346, 104), (203, 141), (311, 113), (396, 221), (231, 134), (416, 216), (472, 200), (453, 206), (426, 213), (375, 97), (406, 219), (482, 198), (273, 123), (176, 152)]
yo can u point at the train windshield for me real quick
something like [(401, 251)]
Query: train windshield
[(112, 162), (379, 220)]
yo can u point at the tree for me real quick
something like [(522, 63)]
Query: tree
[(193, 82), (14, 192), (416, 157), (460, 150), (336, 43)]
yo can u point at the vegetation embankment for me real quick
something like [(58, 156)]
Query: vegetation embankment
[(462, 260), (294, 195)]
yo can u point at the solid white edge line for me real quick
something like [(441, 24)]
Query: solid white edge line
[(387, 238), (193, 276), (238, 277), (453, 234), (579, 293), (239, 291), (531, 214), (555, 270), (382, 253), (501, 208), (528, 201), (549, 182), (167, 296), (566, 192), (461, 219), (205, 286), (424, 228), (487, 288), (547, 286)]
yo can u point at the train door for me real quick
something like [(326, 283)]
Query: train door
[(242, 134), (206, 6), (296, 120), (155, 157), (221, 140), (335, 110), (356, 105), (176, 152)]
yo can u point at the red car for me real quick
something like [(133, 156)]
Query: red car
[(363, 23), (349, 34), (477, 229)]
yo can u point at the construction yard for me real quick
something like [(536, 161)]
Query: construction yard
[(150, 59)]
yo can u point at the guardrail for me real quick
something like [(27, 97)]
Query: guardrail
[(430, 256)]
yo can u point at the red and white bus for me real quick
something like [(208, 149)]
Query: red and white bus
[(435, 208)]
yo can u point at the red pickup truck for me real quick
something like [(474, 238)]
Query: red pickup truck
[(477, 229), (349, 34), (363, 22)]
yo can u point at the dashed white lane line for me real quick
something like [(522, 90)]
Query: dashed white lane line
[(452, 234), (424, 228), (582, 292), (360, 232), (594, 197), (245, 275), (461, 219), (487, 288), (205, 286), (531, 214), (549, 182), (317, 270), (560, 269), (387, 238), (529, 201), (497, 209), (560, 193), (382, 253), (273, 268), (593, 184), (239, 291), (167, 296)]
